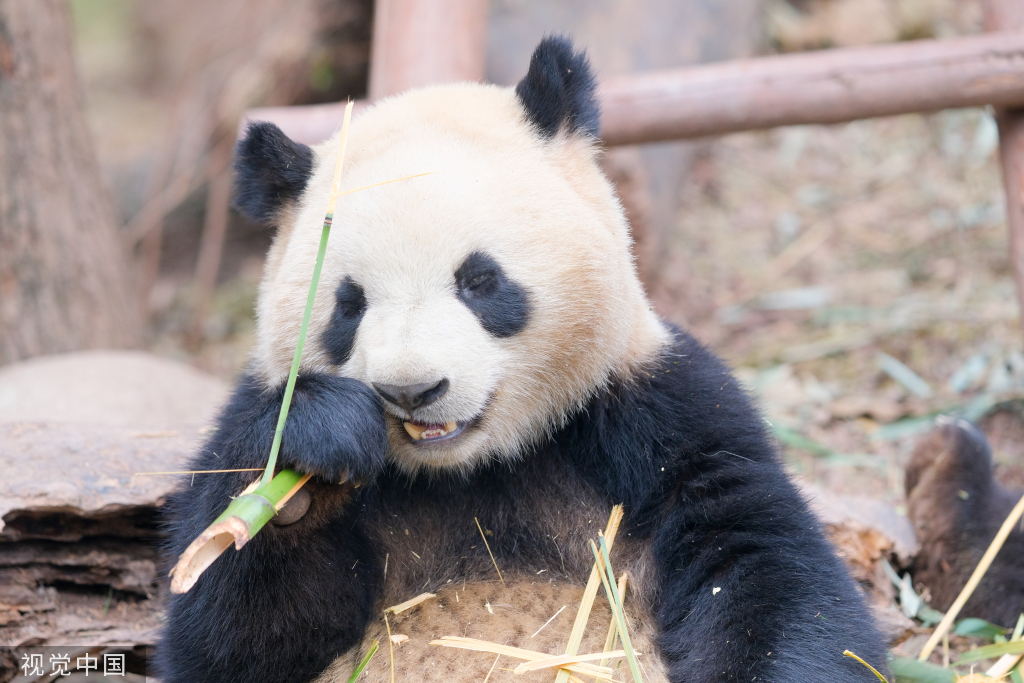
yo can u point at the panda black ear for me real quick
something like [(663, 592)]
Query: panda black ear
[(270, 169), (558, 90)]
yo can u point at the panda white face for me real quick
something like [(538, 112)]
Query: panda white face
[(482, 302)]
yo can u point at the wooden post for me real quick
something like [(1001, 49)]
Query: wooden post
[(1008, 15), (419, 42)]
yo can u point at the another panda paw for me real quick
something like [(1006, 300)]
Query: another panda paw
[(335, 430)]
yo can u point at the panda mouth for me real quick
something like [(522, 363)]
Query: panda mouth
[(429, 432)]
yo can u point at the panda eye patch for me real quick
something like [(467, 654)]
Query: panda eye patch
[(350, 299), (349, 307), (478, 284), (500, 303)]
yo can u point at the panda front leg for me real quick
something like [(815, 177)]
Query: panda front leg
[(747, 587), (296, 596), (752, 591)]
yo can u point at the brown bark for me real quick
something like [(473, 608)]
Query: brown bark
[(64, 278)]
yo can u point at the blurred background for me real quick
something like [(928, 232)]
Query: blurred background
[(823, 262)]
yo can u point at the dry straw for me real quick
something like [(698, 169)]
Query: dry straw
[(559, 660), (391, 646), (583, 614), (609, 641), (409, 604), (847, 653), (571, 662), (459, 642), (488, 546)]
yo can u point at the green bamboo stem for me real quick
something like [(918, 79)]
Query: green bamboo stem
[(615, 600), (250, 511), (362, 665), (242, 519), (257, 508), (254, 507), (293, 374)]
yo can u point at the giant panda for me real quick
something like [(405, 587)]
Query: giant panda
[(481, 351)]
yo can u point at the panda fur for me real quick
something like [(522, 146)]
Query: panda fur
[(498, 294)]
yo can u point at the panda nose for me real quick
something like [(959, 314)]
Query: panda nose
[(412, 396)]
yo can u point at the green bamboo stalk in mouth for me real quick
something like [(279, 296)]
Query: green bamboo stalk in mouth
[(249, 512), (293, 374), (258, 504)]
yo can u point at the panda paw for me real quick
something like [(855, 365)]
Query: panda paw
[(335, 429)]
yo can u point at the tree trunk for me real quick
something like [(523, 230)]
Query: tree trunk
[(64, 277)]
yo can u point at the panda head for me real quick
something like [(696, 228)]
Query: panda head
[(484, 302)]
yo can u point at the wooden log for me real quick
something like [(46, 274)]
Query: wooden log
[(829, 86), (1008, 15)]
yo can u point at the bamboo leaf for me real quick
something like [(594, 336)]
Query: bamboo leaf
[(912, 671), (362, 664), (979, 628), (992, 651)]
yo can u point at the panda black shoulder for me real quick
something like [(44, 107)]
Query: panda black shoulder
[(559, 90)]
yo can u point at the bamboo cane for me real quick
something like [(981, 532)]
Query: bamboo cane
[(248, 513)]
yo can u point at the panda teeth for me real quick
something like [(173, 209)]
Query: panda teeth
[(428, 431)]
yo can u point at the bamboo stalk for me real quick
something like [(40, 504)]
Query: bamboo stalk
[(615, 601), (239, 523), (293, 374), (593, 583), (242, 519), (609, 641), (972, 583), (248, 513)]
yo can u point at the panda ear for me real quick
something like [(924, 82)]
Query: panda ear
[(558, 90), (270, 170)]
